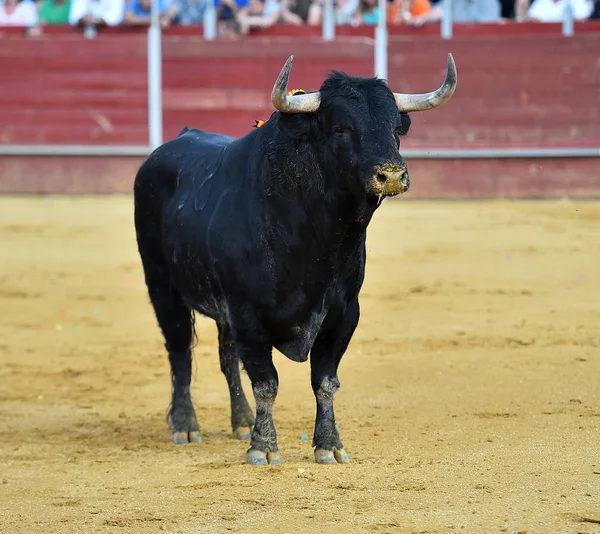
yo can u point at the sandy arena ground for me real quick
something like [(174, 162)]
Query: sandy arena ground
[(470, 395)]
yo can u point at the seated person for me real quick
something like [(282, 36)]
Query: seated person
[(300, 8), (553, 10), (191, 12), (287, 13), (404, 10), (462, 11), (368, 12), (138, 13), (15, 13), (346, 12), (55, 11), (262, 14), (92, 14)]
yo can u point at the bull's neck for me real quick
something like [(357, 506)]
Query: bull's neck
[(301, 196)]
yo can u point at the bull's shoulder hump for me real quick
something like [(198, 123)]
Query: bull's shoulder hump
[(201, 138)]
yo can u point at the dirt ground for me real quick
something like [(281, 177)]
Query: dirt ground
[(470, 393)]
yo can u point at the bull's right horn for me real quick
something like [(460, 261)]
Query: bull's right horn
[(306, 103), (431, 100)]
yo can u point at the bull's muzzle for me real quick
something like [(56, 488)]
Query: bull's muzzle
[(390, 180)]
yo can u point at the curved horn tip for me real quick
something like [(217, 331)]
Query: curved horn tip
[(451, 66), (287, 66)]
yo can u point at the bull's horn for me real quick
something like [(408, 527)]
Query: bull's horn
[(306, 103), (432, 100)]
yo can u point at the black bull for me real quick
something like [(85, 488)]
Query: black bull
[(266, 235)]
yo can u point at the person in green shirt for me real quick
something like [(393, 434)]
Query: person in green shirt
[(54, 12)]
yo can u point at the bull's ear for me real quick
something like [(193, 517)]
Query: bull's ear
[(405, 123), (295, 125)]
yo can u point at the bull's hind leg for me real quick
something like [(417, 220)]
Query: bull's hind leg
[(325, 356), (176, 322), (242, 418)]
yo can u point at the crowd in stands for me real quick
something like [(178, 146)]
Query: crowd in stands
[(238, 17)]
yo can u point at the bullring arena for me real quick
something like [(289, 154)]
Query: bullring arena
[(469, 399)]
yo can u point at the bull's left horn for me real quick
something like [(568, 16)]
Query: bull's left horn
[(432, 100), (306, 103)]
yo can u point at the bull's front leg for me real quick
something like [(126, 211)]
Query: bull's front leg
[(325, 357), (257, 358)]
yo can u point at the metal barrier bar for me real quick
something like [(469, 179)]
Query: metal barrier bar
[(74, 150), (446, 24), (155, 125), (210, 21), (381, 42), (328, 21), (568, 25), (500, 153), (418, 153)]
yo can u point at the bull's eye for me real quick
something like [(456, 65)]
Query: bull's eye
[(338, 129)]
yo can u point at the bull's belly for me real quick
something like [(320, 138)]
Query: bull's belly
[(292, 334), (294, 342)]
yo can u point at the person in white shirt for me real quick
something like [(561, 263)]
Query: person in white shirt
[(15, 13), (553, 10), (94, 13)]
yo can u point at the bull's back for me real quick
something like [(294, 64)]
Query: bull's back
[(174, 166), (181, 192)]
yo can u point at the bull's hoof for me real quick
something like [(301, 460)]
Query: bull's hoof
[(242, 432), (324, 456), (256, 457), (186, 437)]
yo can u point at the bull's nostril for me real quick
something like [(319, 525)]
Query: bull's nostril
[(381, 178)]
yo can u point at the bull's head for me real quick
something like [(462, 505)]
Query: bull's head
[(354, 125)]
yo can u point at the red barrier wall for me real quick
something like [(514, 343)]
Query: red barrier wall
[(519, 85), (483, 178)]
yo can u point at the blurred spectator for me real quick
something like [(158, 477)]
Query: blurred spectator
[(260, 14), (265, 13), (596, 11), (553, 10), (404, 10), (92, 14), (300, 8), (138, 12), (191, 12), (368, 12), (229, 14), (15, 13), (521, 8), (347, 12), (288, 14), (508, 9), (315, 12), (462, 11), (55, 11)]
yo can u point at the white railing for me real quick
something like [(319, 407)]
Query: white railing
[(328, 21), (155, 122), (417, 153), (381, 42)]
